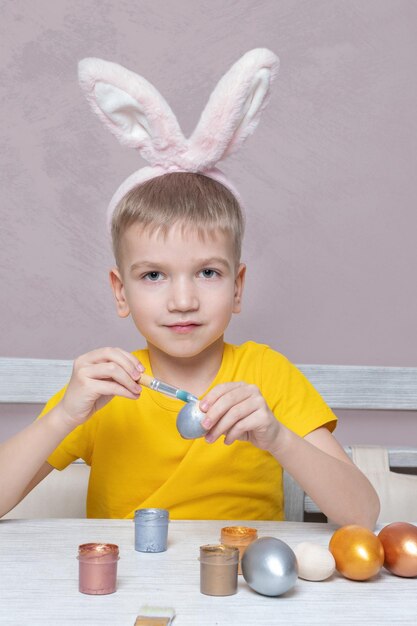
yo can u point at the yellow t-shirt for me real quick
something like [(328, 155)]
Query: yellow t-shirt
[(139, 460)]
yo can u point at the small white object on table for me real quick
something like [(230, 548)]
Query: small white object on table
[(39, 580)]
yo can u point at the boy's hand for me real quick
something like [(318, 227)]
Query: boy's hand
[(239, 411), (98, 376)]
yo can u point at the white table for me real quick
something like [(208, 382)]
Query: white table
[(39, 580)]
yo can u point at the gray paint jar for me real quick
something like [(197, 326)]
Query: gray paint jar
[(151, 530)]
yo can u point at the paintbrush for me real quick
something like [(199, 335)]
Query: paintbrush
[(168, 390), (155, 616)]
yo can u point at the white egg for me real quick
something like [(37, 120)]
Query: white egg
[(315, 562)]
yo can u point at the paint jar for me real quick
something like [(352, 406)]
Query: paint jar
[(151, 530), (97, 568), (238, 537), (218, 570)]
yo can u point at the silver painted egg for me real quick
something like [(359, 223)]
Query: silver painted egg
[(189, 421), (269, 566)]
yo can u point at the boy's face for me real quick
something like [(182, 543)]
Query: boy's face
[(180, 289)]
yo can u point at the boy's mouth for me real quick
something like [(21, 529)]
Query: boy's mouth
[(183, 327)]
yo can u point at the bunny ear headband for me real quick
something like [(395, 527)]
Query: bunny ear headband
[(137, 114)]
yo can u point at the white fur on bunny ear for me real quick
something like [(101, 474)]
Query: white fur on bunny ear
[(133, 110), (233, 110)]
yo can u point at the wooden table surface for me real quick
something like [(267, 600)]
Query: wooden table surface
[(39, 580)]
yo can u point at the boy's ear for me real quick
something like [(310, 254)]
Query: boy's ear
[(239, 284), (116, 282)]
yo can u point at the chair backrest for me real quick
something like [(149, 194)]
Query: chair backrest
[(298, 504), (342, 386), (61, 494), (32, 381), (357, 387)]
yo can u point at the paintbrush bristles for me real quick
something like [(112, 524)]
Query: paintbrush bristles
[(155, 616), (142, 620)]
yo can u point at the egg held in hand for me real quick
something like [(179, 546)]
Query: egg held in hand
[(189, 421)]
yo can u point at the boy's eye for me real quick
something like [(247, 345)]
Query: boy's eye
[(208, 273), (153, 276)]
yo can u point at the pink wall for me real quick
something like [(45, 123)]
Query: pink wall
[(329, 178)]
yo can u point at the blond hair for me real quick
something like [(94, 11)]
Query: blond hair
[(192, 199)]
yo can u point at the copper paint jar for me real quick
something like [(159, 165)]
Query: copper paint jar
[(98, 568), (218, 570), (238, 537)]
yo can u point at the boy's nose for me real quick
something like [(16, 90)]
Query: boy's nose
[(183, 297)]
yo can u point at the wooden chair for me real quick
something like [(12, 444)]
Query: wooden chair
[(343, 387), (60, 494), (357, 387)]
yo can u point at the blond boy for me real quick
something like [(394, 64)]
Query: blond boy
[(177, 242)]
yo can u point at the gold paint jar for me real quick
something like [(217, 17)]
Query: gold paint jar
[(218, 570), (238, 537)]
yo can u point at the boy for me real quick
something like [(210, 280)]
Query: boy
[(177, 241)]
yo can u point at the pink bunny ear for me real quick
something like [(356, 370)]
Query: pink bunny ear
[(137, 114), (233, 110), (133, 110)]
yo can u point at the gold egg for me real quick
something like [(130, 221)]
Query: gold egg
[(399, 540), (358, 553)]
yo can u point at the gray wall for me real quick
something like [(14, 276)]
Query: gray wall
[(328, 180)]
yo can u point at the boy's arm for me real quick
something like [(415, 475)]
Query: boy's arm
[(324, 471), (317, 461), (97, 377), (44, 471), (23, 457)]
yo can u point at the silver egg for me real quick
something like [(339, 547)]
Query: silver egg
[(269, 566), (189, 421)]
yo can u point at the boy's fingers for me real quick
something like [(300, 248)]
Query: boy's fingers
[(227, 402), (236, 414), (131, 364), (108, 355), (217, 392), (241, 429), (110, 388), (112, 372)]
